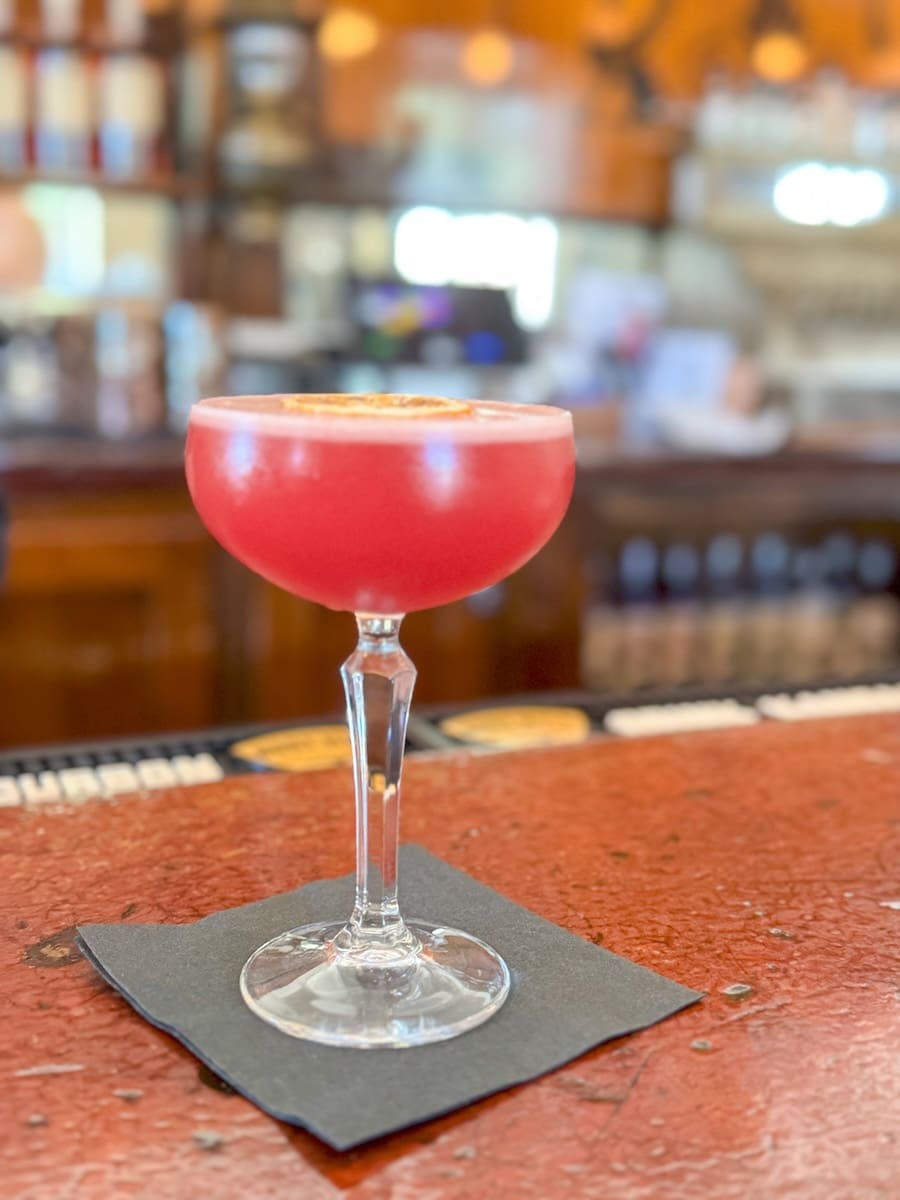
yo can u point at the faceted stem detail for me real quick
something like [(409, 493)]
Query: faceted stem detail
[(378, 682), (375, 981)]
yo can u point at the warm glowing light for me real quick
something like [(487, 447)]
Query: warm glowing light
[(536, 286), (608, 25), (815, 194), (72, 221), (779, 56), (487, 57), (347, 33)]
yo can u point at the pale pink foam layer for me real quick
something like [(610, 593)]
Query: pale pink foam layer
[(490, 421)]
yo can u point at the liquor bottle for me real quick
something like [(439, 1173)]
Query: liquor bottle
[(131, 95), (131, 102), (64, 110), (680, 575), (643, 620), (125, 22), (724, 620), (770, 581), (61, 20)]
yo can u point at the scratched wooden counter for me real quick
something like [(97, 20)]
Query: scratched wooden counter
[(767, 857)]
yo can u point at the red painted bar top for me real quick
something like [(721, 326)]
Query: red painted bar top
[(767, 857)]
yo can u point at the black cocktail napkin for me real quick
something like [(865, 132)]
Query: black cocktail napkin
[(567, 996)]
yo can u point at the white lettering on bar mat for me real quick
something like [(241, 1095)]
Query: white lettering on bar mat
[(831, 702), (75, 785), (684, 717)]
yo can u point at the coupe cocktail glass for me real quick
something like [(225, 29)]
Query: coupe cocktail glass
[(379, 506)]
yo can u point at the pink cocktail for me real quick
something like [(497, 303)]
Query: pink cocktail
[(380, 514), (379, 506)]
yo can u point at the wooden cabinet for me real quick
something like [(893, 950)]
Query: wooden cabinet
[(105, 617), (119, 614)]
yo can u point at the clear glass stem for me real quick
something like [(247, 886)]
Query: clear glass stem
[(374, 980), (378, 682)]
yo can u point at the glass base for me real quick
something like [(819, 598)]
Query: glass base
[(428, 985)]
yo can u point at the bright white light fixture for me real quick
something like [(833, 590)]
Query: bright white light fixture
[(423, 249), (487, 249), (493, 250), (859, 195), (814, 193), (533, 297), (73, 222)]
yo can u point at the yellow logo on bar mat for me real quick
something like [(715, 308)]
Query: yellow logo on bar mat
[(520, 727), (307, 749)]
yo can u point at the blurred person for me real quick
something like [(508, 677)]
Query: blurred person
[(699, 391)]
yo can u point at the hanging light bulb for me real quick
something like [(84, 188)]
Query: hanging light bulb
[(779, 57), (346, 34), (488, 57), (778, 53), (613, 23)]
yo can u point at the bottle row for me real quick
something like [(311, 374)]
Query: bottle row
[(826, 118), (65, 110), (112, 22), (753, 640), (114, 373)]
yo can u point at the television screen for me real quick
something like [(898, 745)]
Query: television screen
[(398, 322)]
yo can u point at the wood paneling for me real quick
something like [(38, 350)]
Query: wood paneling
[(119, 615), (105, 617)]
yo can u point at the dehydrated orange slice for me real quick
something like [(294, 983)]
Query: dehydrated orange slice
[(376, 405)]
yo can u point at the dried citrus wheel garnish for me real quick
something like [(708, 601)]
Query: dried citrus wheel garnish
[(376, 405)]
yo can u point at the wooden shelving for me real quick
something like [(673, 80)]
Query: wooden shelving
[(156, 47), (160, 183)]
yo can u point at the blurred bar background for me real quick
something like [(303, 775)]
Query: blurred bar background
[(678, 219)]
